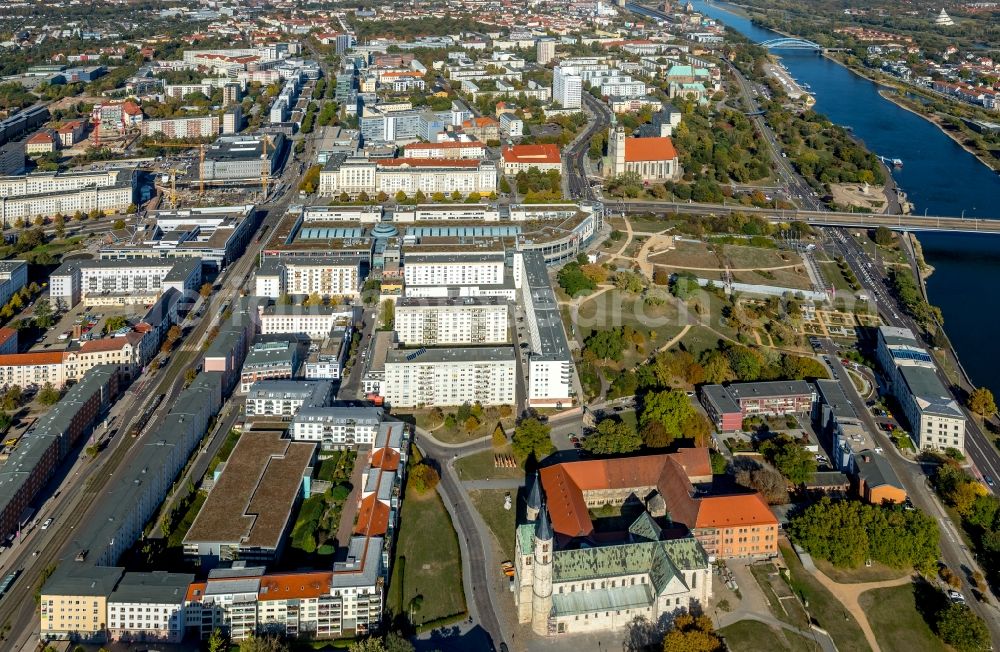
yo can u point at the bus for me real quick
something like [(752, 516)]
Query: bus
[(8, 582)]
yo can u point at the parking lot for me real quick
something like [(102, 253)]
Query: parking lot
[(88, 321)]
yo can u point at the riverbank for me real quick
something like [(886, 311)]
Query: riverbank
[(934, 119)]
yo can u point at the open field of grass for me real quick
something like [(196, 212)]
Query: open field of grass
[(784, 605), (687, 254), (754, 636), (614, 309), (740, 257), (898, 626), (427, 574), (795, 278), (699, 339), (824, 607), (650, 223), (489, 503), (480, 466)]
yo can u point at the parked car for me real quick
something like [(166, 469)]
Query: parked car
[(956, 597)]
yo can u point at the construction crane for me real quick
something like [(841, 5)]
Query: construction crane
[(201, 163)]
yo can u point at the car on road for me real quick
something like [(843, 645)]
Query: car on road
[(956, 597), (989, 481), (47, 523)]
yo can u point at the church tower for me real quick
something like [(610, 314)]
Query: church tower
[(616, 150), (534, 500), (541, 603)]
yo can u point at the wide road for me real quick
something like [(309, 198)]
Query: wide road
[(576, 172), (823, 218), (78, 492)]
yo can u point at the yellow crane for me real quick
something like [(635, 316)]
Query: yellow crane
[(173, 171)]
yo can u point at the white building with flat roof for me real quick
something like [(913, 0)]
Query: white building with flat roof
[(444, 321), (314, 322), (453, 268), (328, 277), (122, 282), (567, 87), (337, 426), (47, 193), (283, 399), (452, 376)]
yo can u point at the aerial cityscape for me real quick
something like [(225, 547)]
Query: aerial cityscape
[(499, 325)]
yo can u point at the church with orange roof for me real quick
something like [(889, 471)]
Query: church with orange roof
[(653, 158)]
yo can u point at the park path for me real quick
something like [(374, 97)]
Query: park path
[(722, 269), (848, 595)]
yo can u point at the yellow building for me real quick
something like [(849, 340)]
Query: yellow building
[(74, 602)]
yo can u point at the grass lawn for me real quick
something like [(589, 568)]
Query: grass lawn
[(428, 562), (824, 608), (754, 636), (614, 309), (500, 521), (877, 573), (898, 626), (774, 587), (650, 224), (459, 434), (740, 257), (688, 254), (699, 339), (480, 466)]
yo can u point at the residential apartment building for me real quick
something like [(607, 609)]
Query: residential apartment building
[(148, 607), (545, 50), (337, 426), (269, 360), (934, 416), (199, 127), (449, 269), (313, 322), (440, 321), (407, 175), (567, 87), (122, 282), (48, 193), (449, 150), (326, 276), (282, 399), (452, 376), (13, 277), (74, 602), (729, 405), (551, 370)]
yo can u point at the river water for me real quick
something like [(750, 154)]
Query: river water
[(939, 178)]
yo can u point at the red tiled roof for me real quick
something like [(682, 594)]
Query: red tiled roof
[(545, 153), (649, 149), (290, 586), (43, 136), (373, 517), (670, 474), (29, 359), (110, 343), (386, 459), (6, 333)]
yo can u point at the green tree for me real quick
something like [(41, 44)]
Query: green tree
[(628, 282), (504, 185), (263, 643), (883, 236), (217, 641), (606, 345), (206, 290), (981, 402), (613, 437), (423, 478), (669, 409), (48, 394), (573, 280), (788, 456), (114, 323), (532, 437), (44, 316), (11, 399), (963, 629)]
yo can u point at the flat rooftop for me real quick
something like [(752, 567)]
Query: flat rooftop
[(551, 335), (251, 503), (446, 355)]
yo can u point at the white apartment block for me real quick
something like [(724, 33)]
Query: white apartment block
[(550, 365), (451, 376), (567, 87), (447, 150), (328, 277), (439, 322), (27, 196), (453, 269), (315, 322), (545, 50), (935, 418), (149, 607), (199, 127), (284, 398), (356, 175), (122, 282), (336, 426), (24, 370), (13, 277)]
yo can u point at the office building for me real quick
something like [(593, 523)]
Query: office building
[(355, 175), (243, 158), (441, 322), (934, 417), (728, 405), (248, 513)]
